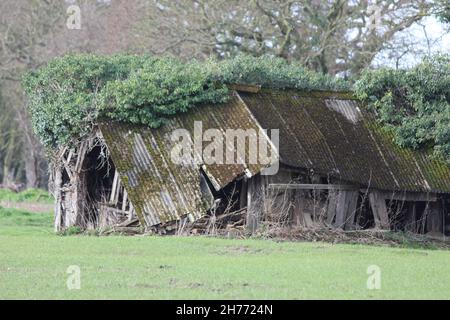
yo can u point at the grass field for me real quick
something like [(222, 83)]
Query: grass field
[(34, 262), (28, 196)]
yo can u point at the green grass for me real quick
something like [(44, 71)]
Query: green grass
[(28, 195), (15, 222), (34, 262)]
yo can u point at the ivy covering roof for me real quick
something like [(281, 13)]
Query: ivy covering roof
[(329, 133), (159, 189), (69, 95)]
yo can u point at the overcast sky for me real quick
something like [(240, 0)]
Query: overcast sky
[(438, 38)]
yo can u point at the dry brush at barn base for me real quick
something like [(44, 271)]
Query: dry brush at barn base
[(339, 166)]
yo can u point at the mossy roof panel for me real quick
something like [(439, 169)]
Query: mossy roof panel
[(160, 189), (329, 133), (336, 136)]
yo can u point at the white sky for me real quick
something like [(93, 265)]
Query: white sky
[(438, 36)]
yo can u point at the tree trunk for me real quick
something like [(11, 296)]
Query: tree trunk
[(31, 171), (31, 150), (8, 175), (58, 197)]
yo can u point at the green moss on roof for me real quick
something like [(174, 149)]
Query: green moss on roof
[(340, 138), (68, 95), (316, 93)]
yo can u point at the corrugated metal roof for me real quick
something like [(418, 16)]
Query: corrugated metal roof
[(336, 136), (159, 189), (328, 132)]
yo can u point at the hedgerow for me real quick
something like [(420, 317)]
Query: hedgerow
[(67, 96), (414, 103)]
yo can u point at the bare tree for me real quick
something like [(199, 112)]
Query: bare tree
[(32, 32), (336, 37), (10, 164), (329, 36), (23, 27)]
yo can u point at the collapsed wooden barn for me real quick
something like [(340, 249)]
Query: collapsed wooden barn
[(337, 168)]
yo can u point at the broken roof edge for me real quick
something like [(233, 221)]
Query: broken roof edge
[(313, 93), (369, 123)]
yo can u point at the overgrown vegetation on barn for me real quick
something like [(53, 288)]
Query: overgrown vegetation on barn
[(357, 168), (69, 94)]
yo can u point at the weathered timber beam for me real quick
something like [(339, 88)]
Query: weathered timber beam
[(245, 87), (346, 202), (434, 218), (58, 198), (300, 215), (124, 200), (380, 214), (311, 186), (411, 217), (69, 157), (254, 203), (131, 212), (80, 157), (410, 196), (331, 206), (115, 186), (115, 210), (351, 210)]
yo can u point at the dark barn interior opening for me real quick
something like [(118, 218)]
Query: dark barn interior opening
[(99, 177)]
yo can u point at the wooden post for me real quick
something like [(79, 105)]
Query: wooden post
[(58, 200), (131, 212), (114, 187), (331, 207), (124, 199), (243, 194), (411, 217), (434, 218), (254, 202), (380, 214), (252, 223), (341, 209), (345, 209), (352, 202), (297, 218), (300, 215)]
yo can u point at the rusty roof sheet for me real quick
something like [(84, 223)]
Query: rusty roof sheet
[(334, 135), (159, 189)]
